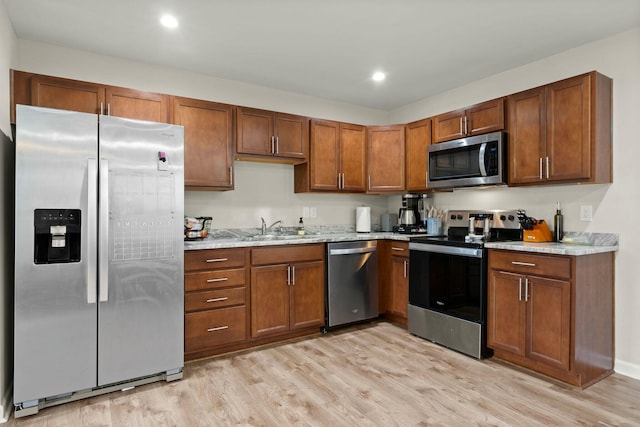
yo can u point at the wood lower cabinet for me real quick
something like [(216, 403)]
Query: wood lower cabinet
[(216, 300), (385, 159), (552, 314), (561, 132), (208, 143), (271, 136), (417, 141), (287, 289), (74, 95), (337, 159), (481, 118), (393, 274)]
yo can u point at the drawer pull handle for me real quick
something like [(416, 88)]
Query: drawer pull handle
[(217, 299), (219, 328), (218, 260), (526, 264), (220, 279), (397, 249)]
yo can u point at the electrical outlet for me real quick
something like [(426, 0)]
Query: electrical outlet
[(313, 212), (305, 212), (586, 213)]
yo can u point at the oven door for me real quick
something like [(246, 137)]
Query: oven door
[(448, 279)]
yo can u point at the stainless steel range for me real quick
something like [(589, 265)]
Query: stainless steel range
[(448, 279)]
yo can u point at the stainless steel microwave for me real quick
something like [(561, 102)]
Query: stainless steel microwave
[(468, 162)]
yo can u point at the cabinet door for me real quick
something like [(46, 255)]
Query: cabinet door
[(485, 117), (418, 139), (385, 159), (208, 143), (269, 300), (399, 285), (569, 129), (136, 104), (324, 155), (353, 157), (527, 136), (65, 94), (254, 131), (292, 135), (506, 312), (307, 295), (448, 126), (549, 321)]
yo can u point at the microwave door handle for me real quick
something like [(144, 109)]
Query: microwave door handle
[(481, 156)]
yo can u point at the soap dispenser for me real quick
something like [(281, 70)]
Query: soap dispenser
[(300, 227)]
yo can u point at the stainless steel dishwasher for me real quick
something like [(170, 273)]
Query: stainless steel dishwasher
[(352, 282)]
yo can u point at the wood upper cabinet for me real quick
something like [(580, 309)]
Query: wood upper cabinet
[(417, 141), (277, 136), (136, 104), (552, 314), (287, 289), (65, 94), (475, 120), (208, 143), (385, 159), (336, 158), (561, 132), (74, 95)]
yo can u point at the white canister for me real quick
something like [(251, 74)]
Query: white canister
[(363, 219)]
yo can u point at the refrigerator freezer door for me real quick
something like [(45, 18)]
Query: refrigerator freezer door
[(55, 312), (141, 305)]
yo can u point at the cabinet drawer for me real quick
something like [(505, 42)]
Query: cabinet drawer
[(214, 299), (554, 266), (213, 279), (210, 328), (209, 259), (286, 254), (399, 249)]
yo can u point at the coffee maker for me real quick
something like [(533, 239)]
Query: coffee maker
[(409, 220)]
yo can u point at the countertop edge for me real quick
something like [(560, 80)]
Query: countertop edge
[(552, 248), (215, 243)]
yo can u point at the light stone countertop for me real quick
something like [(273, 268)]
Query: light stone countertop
[(584, 243), (552, 248), (218, 242)]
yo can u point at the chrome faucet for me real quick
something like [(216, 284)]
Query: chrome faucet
[(265, 228)]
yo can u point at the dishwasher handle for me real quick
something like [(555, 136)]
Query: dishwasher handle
[(350, 251)]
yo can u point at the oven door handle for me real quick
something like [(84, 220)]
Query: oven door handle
[(447, 250)]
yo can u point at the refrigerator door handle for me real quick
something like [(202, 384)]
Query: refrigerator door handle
[(92, 230), (103, 230)]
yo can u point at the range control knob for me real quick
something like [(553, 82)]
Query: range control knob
[(453, 217), (511, 217), (459, 217), (502, 217)]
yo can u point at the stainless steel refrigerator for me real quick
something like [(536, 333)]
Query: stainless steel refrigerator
[(98, 255)]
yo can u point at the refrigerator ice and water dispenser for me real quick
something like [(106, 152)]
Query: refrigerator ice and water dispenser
[(56, 236)]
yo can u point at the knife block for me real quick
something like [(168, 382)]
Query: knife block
[(540, 233)]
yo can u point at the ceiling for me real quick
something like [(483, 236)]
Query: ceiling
[(330, 48)]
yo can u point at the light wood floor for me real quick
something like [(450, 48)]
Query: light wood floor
[(375, 375)]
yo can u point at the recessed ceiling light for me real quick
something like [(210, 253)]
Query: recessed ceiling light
[(378, 76), (169, 21)]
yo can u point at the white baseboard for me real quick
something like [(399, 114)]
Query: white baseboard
[(629, 369)]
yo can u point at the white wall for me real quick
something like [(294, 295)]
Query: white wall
[(614, 205), (8, 59)]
